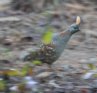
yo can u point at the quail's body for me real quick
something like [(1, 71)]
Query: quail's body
[(51, 52)]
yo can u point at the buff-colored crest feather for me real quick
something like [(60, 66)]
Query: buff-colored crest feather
[(78, 20)]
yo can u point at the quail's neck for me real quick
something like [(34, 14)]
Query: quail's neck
[(60, 40)]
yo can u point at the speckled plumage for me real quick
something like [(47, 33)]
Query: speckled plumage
[(45, 54)]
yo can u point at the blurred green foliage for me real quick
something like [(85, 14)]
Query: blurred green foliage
[(2, 85), (47, 36), (37, 62)]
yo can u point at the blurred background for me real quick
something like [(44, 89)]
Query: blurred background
[(22, 23)]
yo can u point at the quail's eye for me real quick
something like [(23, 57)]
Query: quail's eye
[(75, 27)]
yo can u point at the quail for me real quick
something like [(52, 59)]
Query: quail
[(49, 53)]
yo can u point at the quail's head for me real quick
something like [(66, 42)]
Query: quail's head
[(75, 27)]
